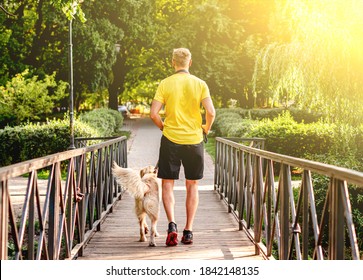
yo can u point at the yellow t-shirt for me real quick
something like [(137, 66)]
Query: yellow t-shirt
[(182, 95)]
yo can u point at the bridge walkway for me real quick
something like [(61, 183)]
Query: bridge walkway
[(216, 233)]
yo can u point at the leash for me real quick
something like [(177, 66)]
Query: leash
[(205, 138)]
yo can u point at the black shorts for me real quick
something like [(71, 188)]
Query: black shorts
[(172, 155)]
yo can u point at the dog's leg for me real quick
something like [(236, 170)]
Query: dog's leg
[(146, 227), (142, 222), (156, 232), (153, 232)]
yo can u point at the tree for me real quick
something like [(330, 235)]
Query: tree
[(213, 34), (135, 19), (28, 98), (315, 59)]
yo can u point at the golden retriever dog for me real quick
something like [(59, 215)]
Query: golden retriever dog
[(145, 187)]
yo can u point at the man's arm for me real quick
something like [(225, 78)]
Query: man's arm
[(210, 114), (154, 114)]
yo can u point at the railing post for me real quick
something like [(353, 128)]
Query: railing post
[(223, 170), (124, 155), (336, 221), (258, 186), (72, 171), (234, 176), (305, 214), (54, 213), (241, 188), (82, 169), (248, 182), (4, 215), (99, 182), (216, 165), (105, 177), (228, 194), (31, 228), (284, 185), (269, 194)]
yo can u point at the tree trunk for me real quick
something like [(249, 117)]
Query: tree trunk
[(117, 85)]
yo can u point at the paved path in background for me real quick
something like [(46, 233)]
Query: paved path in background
[(143, 150)]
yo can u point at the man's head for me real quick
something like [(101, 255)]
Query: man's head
[(182, 58)]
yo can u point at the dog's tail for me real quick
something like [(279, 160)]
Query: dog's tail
[(130, 180)]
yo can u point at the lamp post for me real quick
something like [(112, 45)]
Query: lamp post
[(71, 110), (117, 47), (114, 86)]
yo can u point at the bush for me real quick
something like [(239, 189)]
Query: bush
[(358, 141), (106, 121), (223, 120), (285, 136), (30, 141), (299, 115)]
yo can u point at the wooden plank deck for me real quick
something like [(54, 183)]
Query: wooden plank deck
[(216, 234)]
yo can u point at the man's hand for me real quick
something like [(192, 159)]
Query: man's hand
[(210, 114), (205, 129), (154, 114)]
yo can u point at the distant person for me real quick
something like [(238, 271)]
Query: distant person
[(182, 141)]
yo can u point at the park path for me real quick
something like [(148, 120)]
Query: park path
[(143, 150)]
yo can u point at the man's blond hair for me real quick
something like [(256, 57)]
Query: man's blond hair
[(181, 57)]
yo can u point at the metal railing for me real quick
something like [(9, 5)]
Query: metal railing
[(57, 216), (281, 215)]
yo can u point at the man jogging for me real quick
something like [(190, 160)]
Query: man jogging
[(182, 142)]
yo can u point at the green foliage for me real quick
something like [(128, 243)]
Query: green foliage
[(106, 121), (27, 98), (94, 55), (285, 136), (299, 115), (286, 132), (261, 54), (70, 8), (231, 124), (237, 122), (30, 141), (214, 32), (316, 66)]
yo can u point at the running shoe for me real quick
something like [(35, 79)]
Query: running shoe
[(172, 238), (187, 237)]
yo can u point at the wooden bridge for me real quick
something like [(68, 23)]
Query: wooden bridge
[(248, 209)]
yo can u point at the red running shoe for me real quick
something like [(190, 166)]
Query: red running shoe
[(172, 238)]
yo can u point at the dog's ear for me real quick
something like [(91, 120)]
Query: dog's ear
[(142, 172)]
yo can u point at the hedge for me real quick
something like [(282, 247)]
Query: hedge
[(106, 121), (31, 140), (299, 115), (285, 135)]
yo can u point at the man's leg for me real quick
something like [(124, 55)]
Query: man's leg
[(191, 203), (168, 199), (169, 203)]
